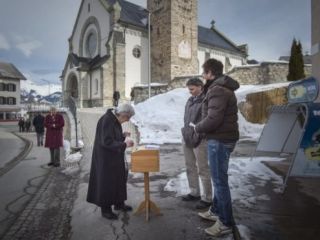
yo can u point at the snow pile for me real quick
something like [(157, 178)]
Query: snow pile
[(242, 171), (160, 118), (71, 161)]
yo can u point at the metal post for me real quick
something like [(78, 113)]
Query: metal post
[(73, 109), (149, 57)]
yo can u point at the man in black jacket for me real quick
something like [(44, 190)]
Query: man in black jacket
[(38, 123)]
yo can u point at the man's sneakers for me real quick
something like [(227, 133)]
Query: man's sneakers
[(190, 198), (218, 229), (208, 215)]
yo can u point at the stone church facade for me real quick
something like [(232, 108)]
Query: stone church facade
[(109, 48)]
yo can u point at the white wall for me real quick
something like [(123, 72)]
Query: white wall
[(101, 14), (201, 59), (235, 60), (136, 69)]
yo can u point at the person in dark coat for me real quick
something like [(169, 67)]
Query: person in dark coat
[(54, 124), (21, 124), (116, 97), (195, 149), (38, 123), (220, 125), (107, 184), (27, 124)]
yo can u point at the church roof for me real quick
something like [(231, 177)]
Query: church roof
[(138, 16), (212, 37), (86, 64), (133, 14), (8, 70)]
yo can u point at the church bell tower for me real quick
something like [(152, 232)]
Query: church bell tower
[(174, 39)]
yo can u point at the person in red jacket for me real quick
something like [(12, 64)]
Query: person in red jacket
[(54, 124)]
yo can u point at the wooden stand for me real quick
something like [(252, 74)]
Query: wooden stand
[(146, 160), (147, 204)]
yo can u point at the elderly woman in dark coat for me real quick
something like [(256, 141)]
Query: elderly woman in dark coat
[(54, 124), (107, 184)]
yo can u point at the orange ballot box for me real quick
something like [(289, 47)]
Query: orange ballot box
[(145, 159)]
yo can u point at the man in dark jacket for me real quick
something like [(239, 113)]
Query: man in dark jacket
[(38, 123), (220, 125), (195, 148), (107, 184)]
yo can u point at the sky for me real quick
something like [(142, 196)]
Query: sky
[(34, 33)]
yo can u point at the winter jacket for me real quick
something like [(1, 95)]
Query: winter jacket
[(38, 123), (54, 133), (192, 113), (220, 111)]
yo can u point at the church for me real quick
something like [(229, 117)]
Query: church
[(110, 51)]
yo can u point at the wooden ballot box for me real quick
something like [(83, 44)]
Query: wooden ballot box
[(145, 159)]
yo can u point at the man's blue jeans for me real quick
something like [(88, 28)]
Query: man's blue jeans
[(218, 155)]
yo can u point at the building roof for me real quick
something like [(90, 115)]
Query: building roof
[(133, 14), (85, 64), (212, 37), (306, 59), (8, 70), (138, 16)]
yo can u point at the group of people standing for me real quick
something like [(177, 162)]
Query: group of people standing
[(210, 134), (53, 123), (24, 124)]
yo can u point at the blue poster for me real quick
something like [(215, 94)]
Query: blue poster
[(307, 159), (311, 137)]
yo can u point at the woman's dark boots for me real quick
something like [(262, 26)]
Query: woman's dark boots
[(106, 212)]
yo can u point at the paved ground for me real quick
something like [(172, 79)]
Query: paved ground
[(56, 206)]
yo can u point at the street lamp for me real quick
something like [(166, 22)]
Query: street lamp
[(149, 52)]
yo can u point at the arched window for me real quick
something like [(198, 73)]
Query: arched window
[(96, 84), (91, 44)]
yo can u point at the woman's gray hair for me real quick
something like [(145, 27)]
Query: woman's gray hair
[(126, 109)]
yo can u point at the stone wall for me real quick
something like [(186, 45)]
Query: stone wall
[(256, 107), (141, 93), (263, 73)]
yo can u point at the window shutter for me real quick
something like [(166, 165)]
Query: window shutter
[(14, 87), (14, 99)]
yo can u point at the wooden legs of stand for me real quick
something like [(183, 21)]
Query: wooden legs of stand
[(147, 204)]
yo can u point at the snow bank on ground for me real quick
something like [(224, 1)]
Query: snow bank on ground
[(160, 118), (71, 161), (241, 171)]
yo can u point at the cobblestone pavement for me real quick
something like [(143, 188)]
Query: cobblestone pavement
[(47, 215), (51, 193)]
